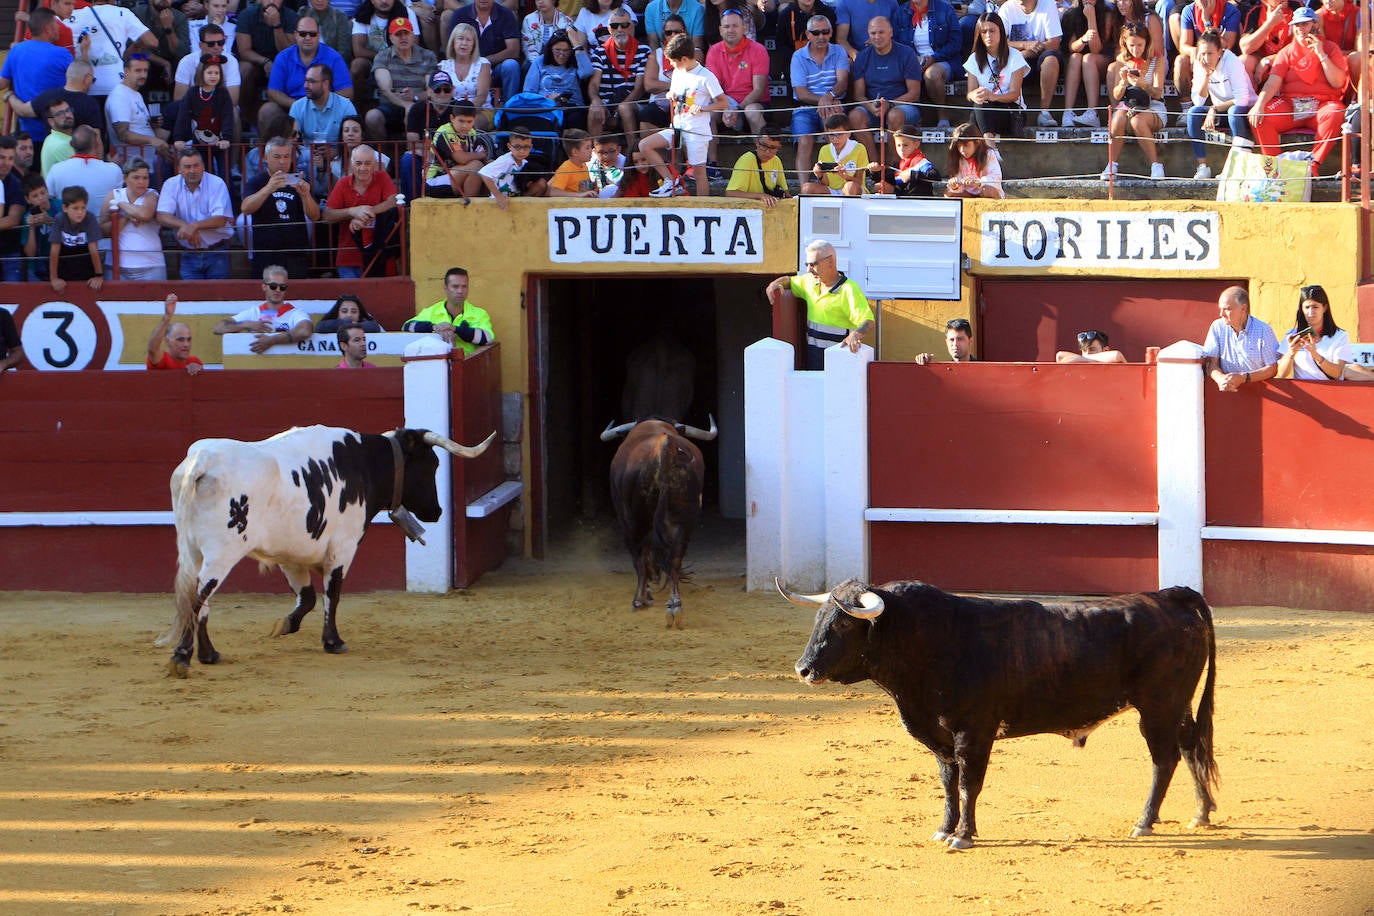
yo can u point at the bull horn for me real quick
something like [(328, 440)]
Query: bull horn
[(691, 432), (462, 451), (800, 600), (870, 606), (613, 432)]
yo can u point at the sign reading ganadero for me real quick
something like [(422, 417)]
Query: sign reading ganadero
[(656, 236), (1149, 239)]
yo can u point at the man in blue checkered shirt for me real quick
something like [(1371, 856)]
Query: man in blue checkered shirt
[(1239, 349)]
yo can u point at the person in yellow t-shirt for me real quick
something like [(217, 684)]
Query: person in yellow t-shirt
[(573, 178), (759, 175), (837, 311), (841, 164)]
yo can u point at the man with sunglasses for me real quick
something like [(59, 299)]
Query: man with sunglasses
[(1092, 348), (692, 16), (114, 33), (290, 71), (837, 311), (658, 77), (213, 43), (274, 322), (958, 341), (820, 78), (617, 82)]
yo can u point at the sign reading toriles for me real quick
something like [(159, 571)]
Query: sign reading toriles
[(1150, 239), (655, 236)]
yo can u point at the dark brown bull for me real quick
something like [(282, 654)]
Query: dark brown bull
[(656, 480), (965, 672)]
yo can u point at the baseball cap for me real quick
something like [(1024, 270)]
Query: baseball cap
[(1304, 14), (440, 78), (400, 24)]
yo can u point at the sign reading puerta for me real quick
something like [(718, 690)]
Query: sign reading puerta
[(656, 236), (1133, 240)]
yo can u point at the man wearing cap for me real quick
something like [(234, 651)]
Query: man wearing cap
[(1304, 89), (837, 311), (286, 83), (372, 34), (400, 71), (431, 113)]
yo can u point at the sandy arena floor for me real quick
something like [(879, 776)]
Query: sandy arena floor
[(532, 746)]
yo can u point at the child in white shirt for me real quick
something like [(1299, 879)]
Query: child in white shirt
[(694, 93)]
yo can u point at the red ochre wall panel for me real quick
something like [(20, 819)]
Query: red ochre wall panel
[(1012, 436), (1036, 559), (1290, 454), (1021, 319), (1325, 577)]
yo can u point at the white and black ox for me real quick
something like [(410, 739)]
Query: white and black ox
[(966, 671), (656, 479), (301, 500)]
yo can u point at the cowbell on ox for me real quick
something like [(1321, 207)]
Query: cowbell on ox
[(965, 672)]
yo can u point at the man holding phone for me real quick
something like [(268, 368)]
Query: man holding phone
[(279, 203)]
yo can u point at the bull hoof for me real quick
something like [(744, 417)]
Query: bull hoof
[(1142, 831), (338, 648), (940, 836), (212, 658), (284, 627), (641, 603), (178, 668), (673, 620), (1200, 821), (956, 842)]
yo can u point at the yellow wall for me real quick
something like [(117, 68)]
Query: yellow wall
[(1276, 246)]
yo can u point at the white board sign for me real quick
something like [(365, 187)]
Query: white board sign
[(654, 236), (1143, 240)]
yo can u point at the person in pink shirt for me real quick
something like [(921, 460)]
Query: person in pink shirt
[(741, 65), (1304, 89), (353, 346)]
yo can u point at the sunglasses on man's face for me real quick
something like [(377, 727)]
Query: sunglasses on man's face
[(212, 44), (275, 286), (442, 90), (818, 31), (621, 25), (301, 33)]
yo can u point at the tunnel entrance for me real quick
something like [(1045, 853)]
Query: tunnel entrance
[(584, 330)]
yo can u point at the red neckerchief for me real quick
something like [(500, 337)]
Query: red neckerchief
[(1200, 24), (731, 58), (281, 309), (87, 157), (1138, 63), (918, 16), (613, 55)]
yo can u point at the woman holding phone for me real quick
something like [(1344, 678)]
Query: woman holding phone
[(1316, 349)]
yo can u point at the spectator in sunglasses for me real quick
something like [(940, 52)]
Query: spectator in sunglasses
[(958, 341), (658, 76), (213, 41), (274, 322), (1092, 348)]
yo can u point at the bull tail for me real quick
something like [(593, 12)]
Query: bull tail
[(185, 480), (1204, 762)]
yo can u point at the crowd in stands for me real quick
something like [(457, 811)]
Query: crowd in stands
[(189, 118)]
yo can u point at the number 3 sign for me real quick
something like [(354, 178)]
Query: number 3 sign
[(58, 336)]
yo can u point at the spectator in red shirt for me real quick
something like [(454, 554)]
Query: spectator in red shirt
[(176, 337), (360, 198), (1305, 87), (741, 65)]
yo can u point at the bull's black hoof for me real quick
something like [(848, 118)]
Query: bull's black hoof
[(179, 667), (336, 648), (212, 658)]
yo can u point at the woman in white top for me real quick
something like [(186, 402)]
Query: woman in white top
[(1316, 348), (538, 27), (1137, 100), (995, 70), (1220, 87), (140, 239), (470, 72)]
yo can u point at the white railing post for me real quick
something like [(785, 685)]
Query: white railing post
[(1181, 464), (846, 463), (767, 365), (429, 566)]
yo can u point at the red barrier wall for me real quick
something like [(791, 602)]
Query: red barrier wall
[(479, 543), (86, 442), (1020, 437)]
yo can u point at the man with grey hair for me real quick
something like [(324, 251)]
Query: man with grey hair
[(77, 92), (366, 199), (837, 311), (274, 322), (1239, 349), (281, 206), (196, 205)]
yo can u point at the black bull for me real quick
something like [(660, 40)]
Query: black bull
[(656, 480), (965, 672)]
